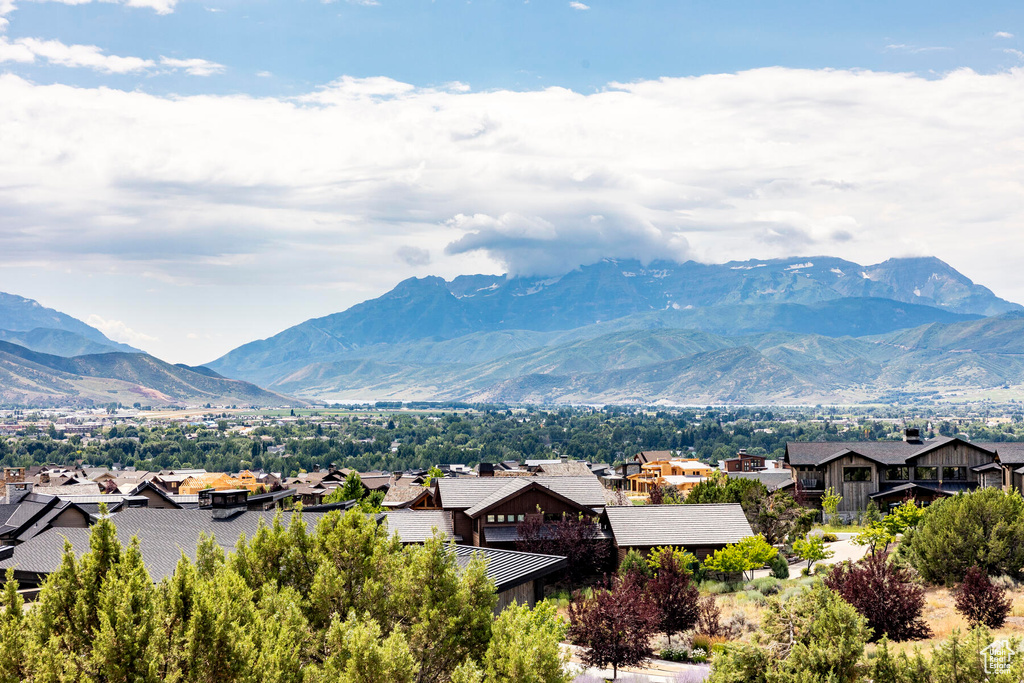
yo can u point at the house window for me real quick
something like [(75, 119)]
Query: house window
[(501, 519), (897, 473), (490, 519), (954, 473), (926, 473), (521, 518), (856, 474)]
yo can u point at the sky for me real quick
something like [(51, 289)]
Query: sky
[(190, 176)]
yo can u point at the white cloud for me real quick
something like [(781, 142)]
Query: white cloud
[(87, 56), (159, 6), (915, 49), (1016, 53), (54, 52), (193, 67), (575, 4), (1003, 34), (264, 74), (118, 331), (320, 191)]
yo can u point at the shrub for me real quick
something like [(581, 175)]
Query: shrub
[(715, 587), (767, 585), (984, 527), (981, 602), (635, 564), (885, 594), (708, 617), (780, 567), (829, 537), (701, 641)]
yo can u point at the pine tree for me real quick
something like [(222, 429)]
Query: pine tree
[(13, 645), (449, 611), (526, 646), (122, 647)]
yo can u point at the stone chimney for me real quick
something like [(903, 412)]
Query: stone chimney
[(912, 435), (16, 491)]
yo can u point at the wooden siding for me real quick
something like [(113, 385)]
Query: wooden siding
[(524, 504), (855, 493), (523, 594), (72, 518), (955, 454)]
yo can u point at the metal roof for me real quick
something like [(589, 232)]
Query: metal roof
[(510, 568), (678, 525)]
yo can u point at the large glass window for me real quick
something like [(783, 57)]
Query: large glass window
[(954, 473), (856, 474), (897, 473), (926, 473)]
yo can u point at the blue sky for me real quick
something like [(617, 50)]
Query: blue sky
[(190, 176), (490, 44)]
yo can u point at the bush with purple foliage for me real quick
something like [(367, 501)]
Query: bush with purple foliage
[(980, 601)]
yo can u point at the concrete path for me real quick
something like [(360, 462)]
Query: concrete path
[(844, 549), (656, 671)]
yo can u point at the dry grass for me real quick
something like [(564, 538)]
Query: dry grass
[(939, 613)]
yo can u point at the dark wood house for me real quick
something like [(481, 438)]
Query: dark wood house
[(889, 472)]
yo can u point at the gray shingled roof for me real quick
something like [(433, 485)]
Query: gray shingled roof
[(466, 492), (509, 568), (511, 487), (773, 481), (884, 452), (416, 526), (163, 535), (678, 525)]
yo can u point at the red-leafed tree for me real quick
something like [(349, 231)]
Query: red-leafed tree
[(577, 538), (614, 625), (674, 594), (980, 601), (885, 594)]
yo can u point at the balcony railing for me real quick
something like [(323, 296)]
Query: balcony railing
[(812, 484)]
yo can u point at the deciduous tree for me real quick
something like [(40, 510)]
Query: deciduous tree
[(885, 594), (614, 625), (981, 602)]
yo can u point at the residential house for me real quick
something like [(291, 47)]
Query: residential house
[(700, 529), (683, 475), (744, 462), (486, 511), (165, 534), (889, 472), (773, 480)]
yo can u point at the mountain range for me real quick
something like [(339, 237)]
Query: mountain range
[(817, 329), (49, 358)]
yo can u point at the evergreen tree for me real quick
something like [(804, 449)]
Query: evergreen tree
[(13, 645)]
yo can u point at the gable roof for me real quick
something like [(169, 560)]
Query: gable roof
[(163, 536), (890, 453), (678, 525), (572, 468), (644, 457), (465, 492), (516, 487)]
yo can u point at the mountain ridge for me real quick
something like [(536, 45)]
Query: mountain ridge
[(427, 331), (31, 378)]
